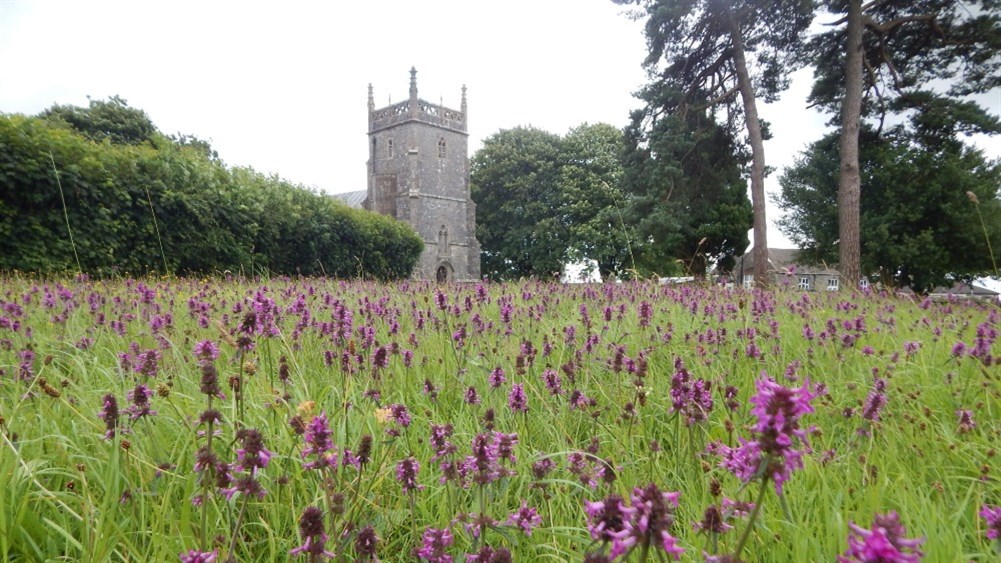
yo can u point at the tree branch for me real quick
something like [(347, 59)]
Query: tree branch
[(721, 97), (891, 26), (871, 5), (889, 64)]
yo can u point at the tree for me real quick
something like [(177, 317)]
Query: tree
[(898, 57), (920, 227), (700, 50), (543, 201), (687, 195), (111, 120), (200, 145), (514, 181), (591, 178)]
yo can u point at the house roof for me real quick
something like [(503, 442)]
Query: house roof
[(960, 288), (784, 261), (353, 199)]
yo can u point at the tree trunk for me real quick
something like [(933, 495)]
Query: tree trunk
[(849, 182), (757, 149)]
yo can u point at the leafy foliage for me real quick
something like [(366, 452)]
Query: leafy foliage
[(112, 120), (702, 54), (919, 227), (922, 55), (110, 195), (513, 180), (893, 58), (591, 179), (543, 201), (687, 195), (691, 46)]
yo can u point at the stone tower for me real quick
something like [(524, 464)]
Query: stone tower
[(418, 172)]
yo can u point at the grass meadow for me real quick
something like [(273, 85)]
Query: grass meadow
[(311, 419)]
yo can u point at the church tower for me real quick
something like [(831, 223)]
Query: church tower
[(418, 172)]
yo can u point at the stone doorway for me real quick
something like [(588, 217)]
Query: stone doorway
[(443, 273)]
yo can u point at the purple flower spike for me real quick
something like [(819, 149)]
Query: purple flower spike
[(435, 542), (140, 402), (875, 402), (312, 532), (195, 556), (645, 524), (966, 423), (440, 433), (109, 414), (516, 399), (777, 433), (526, 518), (552, 381), (497, 377), (253, 455), (471, 397), (400, 414), (365, 543), (779, 408), (606, 518), (652, 515), (319, 444), (206, 351), (992, 516), (884, 542), (487, 554), (406, 474)]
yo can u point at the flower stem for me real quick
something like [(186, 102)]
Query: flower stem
[(483, 511), (750, 521), (645, 552), (205, 483), (987, 237), (413, 517), (239, 523)]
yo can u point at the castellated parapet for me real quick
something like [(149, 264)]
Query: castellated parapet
[(418, 172)]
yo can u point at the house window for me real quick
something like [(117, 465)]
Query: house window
[(441, 148), (389, 148), (748, 281), (863, 283), (804, 283), (832, 284)]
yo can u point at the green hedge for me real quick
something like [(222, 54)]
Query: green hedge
[(164, 206)]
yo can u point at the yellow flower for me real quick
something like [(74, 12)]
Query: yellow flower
[(382, 415), (306, 408)]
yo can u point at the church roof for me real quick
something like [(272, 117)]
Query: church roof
[(353, 199)]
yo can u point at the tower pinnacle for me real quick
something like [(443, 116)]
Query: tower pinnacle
[(413, 83)]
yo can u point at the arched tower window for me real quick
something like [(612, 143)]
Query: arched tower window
[(389, 148), (441, 148), (443, 249)]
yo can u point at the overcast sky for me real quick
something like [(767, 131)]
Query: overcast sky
[(282, 87)]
